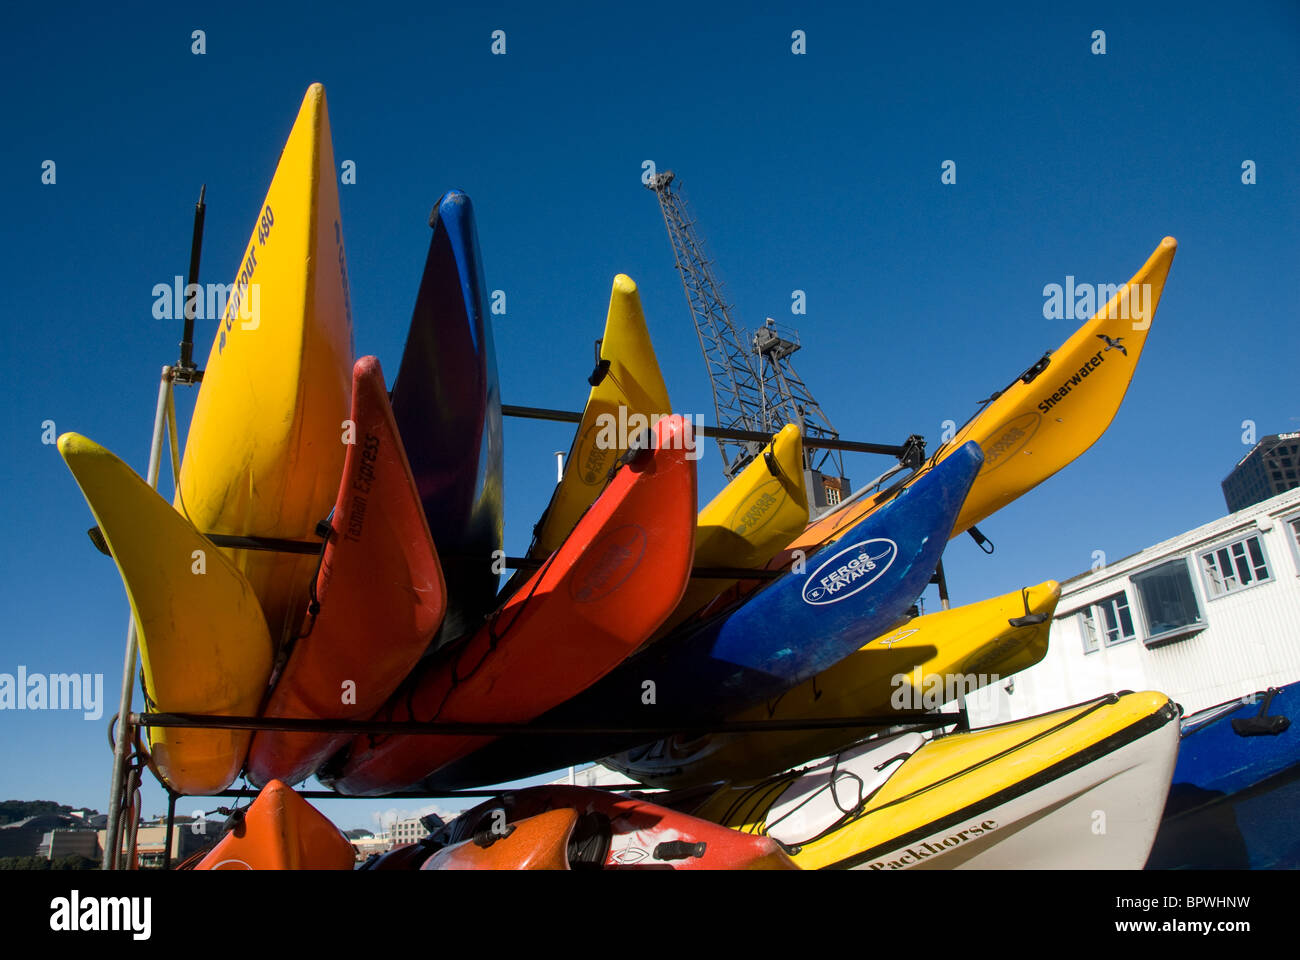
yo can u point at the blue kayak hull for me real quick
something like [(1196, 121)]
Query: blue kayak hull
[(447, 403), (793, 628), (1235, 800)]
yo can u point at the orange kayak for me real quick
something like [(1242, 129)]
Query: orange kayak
[(533, 843), (280, 831), (379, 596), (612, 831), (613, 581)]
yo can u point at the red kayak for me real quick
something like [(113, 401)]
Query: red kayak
[(548, 841), (595, 600), (605, 831), (280, 831), (380, 596)]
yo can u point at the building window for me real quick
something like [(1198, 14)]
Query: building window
[(1234, 566), (832, 494), (1087, 630), (1168, 600), (1116, 618), (1294, 524)]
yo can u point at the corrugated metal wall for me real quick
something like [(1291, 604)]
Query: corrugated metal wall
[(1251, 639)]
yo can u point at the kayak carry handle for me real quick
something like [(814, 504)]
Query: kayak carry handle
[(601, 371), (486, 836), (679, 850), (1262, 725), (981, 540), (1033, 620)]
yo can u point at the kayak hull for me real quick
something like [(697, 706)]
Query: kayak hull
[(380, 592), (540, 842), (1079, 788), (786, 633), (749, 521), (616, 577), (263, 455), (968, 646), (1046, 418), (629, 387), (281, 831), (635, 834), (447, 403), (204, 646)]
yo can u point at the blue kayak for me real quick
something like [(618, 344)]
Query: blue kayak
[(847, 594), (1233, 801), (447, 404), (1238, 744)]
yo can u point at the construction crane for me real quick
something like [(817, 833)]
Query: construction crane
[(755, 386)]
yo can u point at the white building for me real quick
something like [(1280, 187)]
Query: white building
[(593, 775), (406, 831), (1207, 616)]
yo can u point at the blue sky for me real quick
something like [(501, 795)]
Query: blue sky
[(818, 172)]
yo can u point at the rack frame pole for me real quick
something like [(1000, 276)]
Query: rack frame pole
[(125, 728)]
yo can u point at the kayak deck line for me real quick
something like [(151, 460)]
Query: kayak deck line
[(913, 446), (217, 721)]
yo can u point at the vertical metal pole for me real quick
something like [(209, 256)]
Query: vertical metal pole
[(942, 580), (196, 252), (132, 816), (122, 749), (171, 824)]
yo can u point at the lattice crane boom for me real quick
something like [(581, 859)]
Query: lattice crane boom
[(755, 386)]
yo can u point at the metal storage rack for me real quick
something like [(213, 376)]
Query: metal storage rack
[(126, 725)]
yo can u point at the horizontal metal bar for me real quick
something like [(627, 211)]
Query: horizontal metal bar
[(720, 433), (275, 544), (697, 573), (540, 413), (405, 794), (197, 720)]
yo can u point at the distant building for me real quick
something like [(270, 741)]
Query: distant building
[(406, 831), (594, 775), (188, 837), (26, 837), (1205, 617), (77, 841), (366, 846), (1271, 467)]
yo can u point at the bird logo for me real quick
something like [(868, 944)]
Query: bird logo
[(1113, 343), (890, 641)]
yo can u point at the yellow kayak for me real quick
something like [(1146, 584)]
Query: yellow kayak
[(915, 667), (265, 448), (1079, 788), (629, 385), (750, 521), (204, 646), (1048, 416)]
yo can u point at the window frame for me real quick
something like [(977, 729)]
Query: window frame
[(1291, 527), (1083, 618), (1103, 632), (1150, 639), (1208, 585)]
